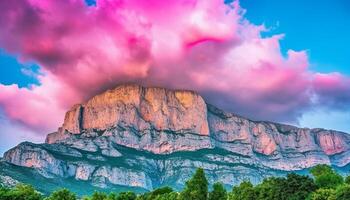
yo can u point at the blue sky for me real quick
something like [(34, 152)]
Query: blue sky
[(13, 72), (322, 27)]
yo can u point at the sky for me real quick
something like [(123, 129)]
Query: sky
[(283, 61)]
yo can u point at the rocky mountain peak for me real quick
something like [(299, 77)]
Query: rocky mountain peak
[(140, 108), (148, 137)]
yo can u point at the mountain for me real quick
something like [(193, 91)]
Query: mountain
[(141, 138)]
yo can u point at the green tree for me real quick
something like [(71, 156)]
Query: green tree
[(157, 192), (126, 196), (270, 189), (323, 194), (62, 194), (3, 192), (244, 191), (297, 187), (321, 169), (196, 188), (329, 180), (342, 193), (167, 196), (218, 192), (21, 192), (98, 196), (162, 190), (293, 187), (326, 177), (112, 196), (347, 180)]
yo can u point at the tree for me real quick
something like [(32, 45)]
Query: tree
[(218, 192), (342, 193), (98, 196), (126, 196), (162, 190), (323, 194), (21, 192), (62, 194), (157, 192), (3, 192), (112, 196), (167, 196), (329, 180), (326, 177), (297, 187), (293, 187), (196, 188), (321, 169), (347, 180), (244, 191), (270, 189)]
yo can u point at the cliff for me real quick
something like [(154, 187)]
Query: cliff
[(148, 137)]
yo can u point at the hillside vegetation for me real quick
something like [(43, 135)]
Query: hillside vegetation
[(324, 184)]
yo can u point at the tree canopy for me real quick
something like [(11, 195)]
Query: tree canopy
[(218, 192), (62, 194), (20, 192), (196, 188), (324, 184), (326, 177)]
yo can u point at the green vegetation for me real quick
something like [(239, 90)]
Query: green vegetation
[(326, 177), (20, 192), (325, 184), (196, 188), (244, 191), (62, 194), (218, 192)]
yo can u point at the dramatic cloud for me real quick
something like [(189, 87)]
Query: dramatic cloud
[(207, 46)]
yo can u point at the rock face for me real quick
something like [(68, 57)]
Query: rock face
[(149, 137), (141, 108)]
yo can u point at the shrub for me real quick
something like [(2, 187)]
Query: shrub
[(62, 194)]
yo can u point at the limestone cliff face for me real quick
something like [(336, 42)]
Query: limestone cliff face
[(140, 108), (172, 133)]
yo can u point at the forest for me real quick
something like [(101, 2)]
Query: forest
[(324, 183)]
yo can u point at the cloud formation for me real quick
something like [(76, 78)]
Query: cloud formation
[(206, 46)]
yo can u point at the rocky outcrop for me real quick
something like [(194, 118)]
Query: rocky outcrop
[(7, 181), (148, 137), (142, 109)]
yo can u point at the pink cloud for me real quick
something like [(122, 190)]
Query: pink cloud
[(333, 90), (40, 107), (206, 46)]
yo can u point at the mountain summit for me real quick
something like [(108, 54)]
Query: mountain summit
[(146, 137)]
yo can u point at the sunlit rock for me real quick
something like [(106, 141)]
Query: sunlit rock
[(149, 137)]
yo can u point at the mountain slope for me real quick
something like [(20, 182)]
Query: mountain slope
[(149, 137)]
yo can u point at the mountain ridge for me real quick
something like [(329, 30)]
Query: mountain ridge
[(161, 128)]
